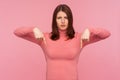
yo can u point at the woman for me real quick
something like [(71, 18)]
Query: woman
[(63, 45)]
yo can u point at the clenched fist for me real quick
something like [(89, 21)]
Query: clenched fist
[(85, 36), (38, 34)]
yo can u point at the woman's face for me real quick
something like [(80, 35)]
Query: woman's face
[(62, 20)]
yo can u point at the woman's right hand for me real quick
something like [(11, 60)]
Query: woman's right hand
[(38, 34)]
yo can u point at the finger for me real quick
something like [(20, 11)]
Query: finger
[(44, 40), (88, 35), (88, 39), (39, 38), (81, 43)]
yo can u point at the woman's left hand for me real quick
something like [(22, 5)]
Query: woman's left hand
[(85, 37)]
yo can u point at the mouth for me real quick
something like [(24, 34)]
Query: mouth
[(62, 25)]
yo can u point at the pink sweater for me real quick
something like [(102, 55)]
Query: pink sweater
[(62, 56)]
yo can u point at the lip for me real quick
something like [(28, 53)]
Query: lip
[(62, 25)]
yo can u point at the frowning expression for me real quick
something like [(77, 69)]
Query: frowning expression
[(62, 20)]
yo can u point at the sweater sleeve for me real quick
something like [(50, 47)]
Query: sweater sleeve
[(27, 33), (97, 34)]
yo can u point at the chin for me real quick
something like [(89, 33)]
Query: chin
[(63, 29)]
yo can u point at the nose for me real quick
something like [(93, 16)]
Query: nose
[(62, 20)]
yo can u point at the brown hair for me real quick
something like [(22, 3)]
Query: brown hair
[(70, 31)]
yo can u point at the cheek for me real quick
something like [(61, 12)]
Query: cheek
[(58, 22), (67, 22)]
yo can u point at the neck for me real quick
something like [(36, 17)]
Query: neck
[(62, 33)]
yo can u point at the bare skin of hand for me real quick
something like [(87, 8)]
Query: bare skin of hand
[(85, 36), (38, 34)]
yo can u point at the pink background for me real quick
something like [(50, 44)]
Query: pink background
[(23, 60)]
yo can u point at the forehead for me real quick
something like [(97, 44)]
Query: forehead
[(61, 13)]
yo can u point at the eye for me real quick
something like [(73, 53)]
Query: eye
[(66, 17), (59, 17)]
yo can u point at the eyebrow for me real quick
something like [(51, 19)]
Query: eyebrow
[(60, 16)]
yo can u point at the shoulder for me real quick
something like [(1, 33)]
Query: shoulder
[(78, 34), (47, 34)]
